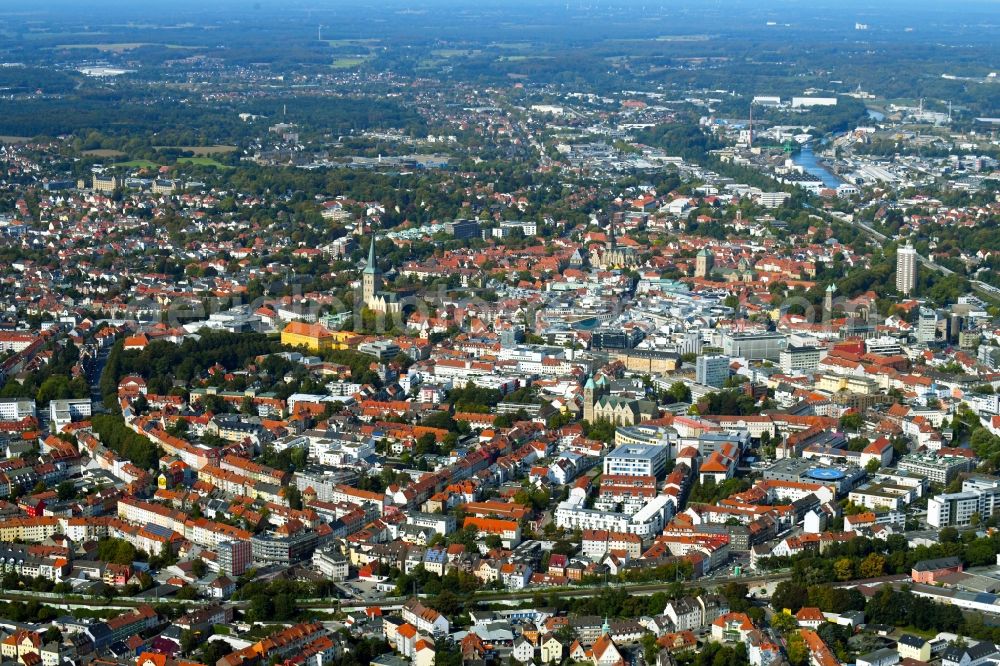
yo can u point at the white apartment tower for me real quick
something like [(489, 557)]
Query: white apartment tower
[(906, 269)]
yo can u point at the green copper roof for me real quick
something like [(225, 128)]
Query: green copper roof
[(372, 267)]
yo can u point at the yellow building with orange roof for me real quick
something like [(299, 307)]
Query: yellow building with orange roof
[(311, 336)]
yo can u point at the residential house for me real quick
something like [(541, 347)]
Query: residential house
[(761, 650), (425, 619), (552, 649), (678, 641), (809, 617), (605, 653), (731, 628), (981, 653), (913, 647), (685, 613), (523, 651)]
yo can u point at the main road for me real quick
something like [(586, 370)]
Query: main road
[(570, 592), (70, 601)]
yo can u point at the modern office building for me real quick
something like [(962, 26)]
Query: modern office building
[(462, 229), (636, 460), (383, 350), (64, 412), (936, 469), (15, 409), (712, 370), (885, 346), (649, 435), (754, 346), (927, 323), (952, 509), (979, 496), (616, 338), (797, 360), (511, 336), (273, 548), (234, 557)]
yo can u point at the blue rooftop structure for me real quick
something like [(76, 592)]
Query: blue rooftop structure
[(825, 474)]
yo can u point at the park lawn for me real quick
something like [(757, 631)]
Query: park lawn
[(351, 42), (138, 164), (104, 152), (349, 62), (204, 151), (203, 161), (124, 46)]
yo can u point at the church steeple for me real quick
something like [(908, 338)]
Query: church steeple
[(372, 267), (371, 277)]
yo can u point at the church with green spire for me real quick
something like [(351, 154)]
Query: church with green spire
[(599, 405), (373, 295)]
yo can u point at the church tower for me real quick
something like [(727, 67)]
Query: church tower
[(371, 277), (828, 302), (703, 263), (589, 398)]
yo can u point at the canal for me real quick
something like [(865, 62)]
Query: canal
[(806, 159)]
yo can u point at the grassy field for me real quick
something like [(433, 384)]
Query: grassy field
[(104, 152), (138, 164), (204, 151), (14, 139), (455, 53), (513, 46), (351, 42), (349, 62), (682, 38), (123, 46), (203, 161)]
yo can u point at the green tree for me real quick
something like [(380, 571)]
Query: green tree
[(798, 653), (66, 490), (190, 640), (678, 392), (843, 569), (789, 594), (212, 651), (650, 648), (851, 422), (294, 496), (52, 635), (198, 568), (602, 430), (872, 566), (116, 551)]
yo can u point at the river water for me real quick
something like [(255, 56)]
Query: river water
[(806, 159)]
